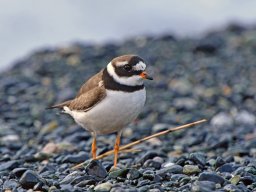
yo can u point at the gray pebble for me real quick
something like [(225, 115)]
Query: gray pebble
[(29, 179), (96, 169), (211, 176)]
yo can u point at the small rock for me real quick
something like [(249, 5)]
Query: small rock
[(48, 128), (9, 138), (174, 169), (154, 190), (203, 186), (9, 165), (248, 180), (158, 159), (70, 178), (29, 179), (210, 176), (198, 158), (118, 173), (77, 158), (84, 183), (231, 188), (191, 169), (244, 117), (10, 184), (221, 120), (18, 172), (184, 103), (219, 162), (50, 148), (148, 155), (226, 168), (180, 86), (152, 163), (234, 180), (103, 187), (133, 174), (148, 175), (66, 187), (160, 127), (95, 168)]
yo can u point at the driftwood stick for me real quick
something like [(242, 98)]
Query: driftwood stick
[(124, 147)]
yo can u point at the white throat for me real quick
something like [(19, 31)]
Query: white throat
[(130, 81)]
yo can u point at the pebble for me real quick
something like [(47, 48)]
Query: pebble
[(152, 163), (231, 188), (118, 173), (9, 165), (96, 169), (76, 158), (198, 158), (29, 179), (174, 169), (244, 117), (226, 168), (133, 174), (221, 120), (146, 156), (191, 169), (158, 127), (70, 177), (103, 187), (10, 185), (17, 172), (204, 186), (194, 79), (211, 176)]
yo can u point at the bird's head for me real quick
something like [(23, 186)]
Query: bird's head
[(128, 70)]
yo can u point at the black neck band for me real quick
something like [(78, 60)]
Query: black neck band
[(111, 84)]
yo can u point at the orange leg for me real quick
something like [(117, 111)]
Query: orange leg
[(94, 147), (116, 148)]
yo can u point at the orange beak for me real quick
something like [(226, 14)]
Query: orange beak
[(144, 75)]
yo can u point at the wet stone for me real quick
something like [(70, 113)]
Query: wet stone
[(9, 165), (17, 172), (103, 187), (152, 163), (222, 119), (231, 188), (70, 177), (226, 168), (148, 155), (133, 174), (118, 173), (247, 180), (210, 176), (10, 184), (173, 169), (77, 158), (206, 186), (198, 158), (96, 169), (29, 179), (191, 169), (219, 162)]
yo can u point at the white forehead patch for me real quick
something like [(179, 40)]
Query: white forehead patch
[(121, 63), (140, 66)]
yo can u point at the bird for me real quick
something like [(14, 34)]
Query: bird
[(111, 99)]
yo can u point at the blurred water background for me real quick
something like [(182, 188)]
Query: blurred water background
[(28, 24)]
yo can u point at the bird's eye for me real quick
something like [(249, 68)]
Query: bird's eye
[(128, 67)]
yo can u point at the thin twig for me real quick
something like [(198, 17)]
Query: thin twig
[(124, 147)]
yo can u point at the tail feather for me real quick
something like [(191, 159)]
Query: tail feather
[(60, 105)]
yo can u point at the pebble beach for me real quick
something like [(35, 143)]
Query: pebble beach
[(212, 77)]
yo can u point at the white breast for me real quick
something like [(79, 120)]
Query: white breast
[(113, 113)]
